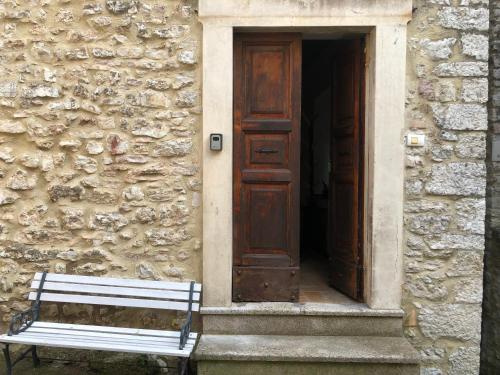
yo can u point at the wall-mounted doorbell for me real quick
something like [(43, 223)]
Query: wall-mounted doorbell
[(415, 140), (216, 142)]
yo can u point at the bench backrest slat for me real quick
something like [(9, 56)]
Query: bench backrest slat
[(116, 292), (114, 301), (133, 283)]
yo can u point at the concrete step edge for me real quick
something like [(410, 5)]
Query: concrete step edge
[(306, 309), (341, 349)]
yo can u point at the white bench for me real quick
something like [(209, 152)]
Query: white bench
[(25, 327)]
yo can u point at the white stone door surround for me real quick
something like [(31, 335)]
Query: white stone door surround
[(385, 23)]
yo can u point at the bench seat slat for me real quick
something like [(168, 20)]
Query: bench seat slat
[(114, 336), (85, 343), (121, 330), (109, 281), (114, 301), (114, 290), (122, 341)]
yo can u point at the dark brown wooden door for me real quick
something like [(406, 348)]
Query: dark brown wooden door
[(267, 84), (346, 199)]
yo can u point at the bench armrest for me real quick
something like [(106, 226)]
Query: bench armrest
[(185, 330), (23, 320)]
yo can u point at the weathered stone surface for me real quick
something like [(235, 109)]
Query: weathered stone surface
[(466, 263), (145, 270), (438, 49), (7, 197), (456, 241), (72, 218), (149, 129), (464, 361), (428, 223), (455, 321), (469, 291), (430, 371), (475, 90), (461, 116), (121, 6), (475, 45), (133, 193), (21, 180), (462, 179), (8, 89), (94, 148), (74, 193), (145, 215), (163, 237), (32, 216), (471, 146), (178, 147), (40, 91), (471, 215), (464, 18), (426, 287), (112, 221), (186, 99), (462, 69), (187, 57), (12, 127), (85, 163)]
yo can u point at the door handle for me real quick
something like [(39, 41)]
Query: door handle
[(267, 151)]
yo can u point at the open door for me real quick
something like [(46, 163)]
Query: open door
[(346, 194), (267, 81)]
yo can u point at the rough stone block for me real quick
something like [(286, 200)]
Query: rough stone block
[(464, 361), (461, 116), (462, 69), (462, 179), (471, 146), (475, 90), (464, 18), (475, 45), (451, 321), (438, 49), (471, 215)]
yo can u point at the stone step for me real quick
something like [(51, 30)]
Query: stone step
[(294, 355), (302, 319)]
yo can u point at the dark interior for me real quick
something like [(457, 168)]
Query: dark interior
[(315, 147), (316, 122)]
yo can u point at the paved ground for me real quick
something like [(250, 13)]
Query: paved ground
[(77, 363)]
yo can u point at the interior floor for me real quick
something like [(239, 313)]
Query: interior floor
[(314, 285)]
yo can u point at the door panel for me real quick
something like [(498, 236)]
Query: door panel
[(267, 79), (346, 199)]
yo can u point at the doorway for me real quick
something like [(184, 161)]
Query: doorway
[(298, 169), (331, 170)]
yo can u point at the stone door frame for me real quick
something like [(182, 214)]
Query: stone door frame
[(385, 26)]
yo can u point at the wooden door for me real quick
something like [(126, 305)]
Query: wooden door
[(267, 84), (346, 199)]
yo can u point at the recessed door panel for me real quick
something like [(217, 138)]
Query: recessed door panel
[(267, 80), (266, 150), (267, 208)]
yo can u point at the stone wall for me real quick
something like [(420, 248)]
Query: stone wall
[(99, 141), (490, 342), (445, 183), (100, 155)]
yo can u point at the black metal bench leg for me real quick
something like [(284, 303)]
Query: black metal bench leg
[(34, 355), (8, 362), (182, 366)]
